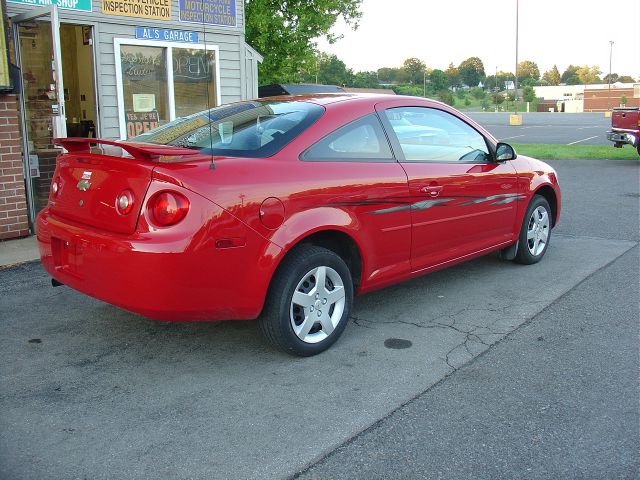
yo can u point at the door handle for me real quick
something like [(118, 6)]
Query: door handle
[(432, 190)]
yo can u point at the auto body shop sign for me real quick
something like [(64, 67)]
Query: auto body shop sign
[(157, 9)]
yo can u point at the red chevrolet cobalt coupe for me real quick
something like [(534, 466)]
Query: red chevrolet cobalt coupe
[(282, 209)]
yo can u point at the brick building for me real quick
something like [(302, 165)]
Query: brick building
[(13, 200), (601, 100)]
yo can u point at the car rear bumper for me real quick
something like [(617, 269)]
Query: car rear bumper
[(164, 277), (620, 138)]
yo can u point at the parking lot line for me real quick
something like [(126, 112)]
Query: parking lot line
[(583, 140)]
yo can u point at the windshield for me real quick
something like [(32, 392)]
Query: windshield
[(246, 129)]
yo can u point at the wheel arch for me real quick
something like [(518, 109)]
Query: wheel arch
[(339, 242), (549, 195)]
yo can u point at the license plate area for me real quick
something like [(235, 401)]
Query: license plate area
[(67, 255)]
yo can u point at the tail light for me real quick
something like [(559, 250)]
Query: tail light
[(168, 208), (124, 202)]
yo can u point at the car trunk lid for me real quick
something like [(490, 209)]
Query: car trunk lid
[(90, 183)]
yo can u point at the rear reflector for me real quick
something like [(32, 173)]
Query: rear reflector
[(168, 208), (55, 186)]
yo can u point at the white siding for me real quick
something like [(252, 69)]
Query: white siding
[(230, 41)]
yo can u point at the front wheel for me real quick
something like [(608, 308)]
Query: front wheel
[(535, 232), (309, 301)]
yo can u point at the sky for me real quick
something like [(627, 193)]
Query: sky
[(559, 32)]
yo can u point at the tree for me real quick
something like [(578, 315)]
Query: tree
[(283, 32), (366, 80), (625, 79), (588, 74), (388, 75), (471, 71), (438, 80), (570, 76), (528, 70), (528, 94), (552, 77), (333, 71), (453, 75), (497, 98), (490, 81), (414, 70)]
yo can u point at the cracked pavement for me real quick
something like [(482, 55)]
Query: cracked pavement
[(89, 390)]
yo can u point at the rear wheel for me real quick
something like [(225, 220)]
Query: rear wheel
[(309, 301), (535, 232)]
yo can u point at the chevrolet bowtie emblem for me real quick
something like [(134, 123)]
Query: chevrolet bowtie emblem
[(83, 185)]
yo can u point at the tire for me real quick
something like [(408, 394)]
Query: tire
[(301, 317), (535, 232)]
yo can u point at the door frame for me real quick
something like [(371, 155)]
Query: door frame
[(59, 120)]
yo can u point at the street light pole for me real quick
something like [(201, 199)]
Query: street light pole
[(515, 100), (610, 56)]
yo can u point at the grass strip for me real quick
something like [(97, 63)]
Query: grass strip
[(573, 152)]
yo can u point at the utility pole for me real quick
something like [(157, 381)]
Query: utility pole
[(610, 56), (424, 83), (495, 93)]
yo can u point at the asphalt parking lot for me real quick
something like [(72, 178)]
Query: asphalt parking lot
[(541, 127), (91, 391)]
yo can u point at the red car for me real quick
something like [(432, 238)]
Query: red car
[(283, 208)]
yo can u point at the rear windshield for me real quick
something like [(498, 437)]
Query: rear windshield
[(246, 129)]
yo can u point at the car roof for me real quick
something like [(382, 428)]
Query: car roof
[(329, 98)]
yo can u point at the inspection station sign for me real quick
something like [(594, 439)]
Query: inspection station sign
[(154, 9), (161, 34), (212, 12), (81, 5)]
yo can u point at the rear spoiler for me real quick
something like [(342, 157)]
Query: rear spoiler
[(139, 151)]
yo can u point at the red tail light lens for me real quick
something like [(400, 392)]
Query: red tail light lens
[(124, 202), (168, 208)]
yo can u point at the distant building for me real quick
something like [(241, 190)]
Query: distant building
[(588, 98), (601, 99)]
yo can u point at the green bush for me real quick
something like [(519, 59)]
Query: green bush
[(447, 97), (477, 93)]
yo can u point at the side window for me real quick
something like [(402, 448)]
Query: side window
[(431, 135), (360, 140)]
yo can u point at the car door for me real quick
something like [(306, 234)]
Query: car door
[(357, 172), (462, 201)]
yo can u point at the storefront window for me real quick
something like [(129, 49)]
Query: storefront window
[(153, 94), (144, 85), (193, 80)]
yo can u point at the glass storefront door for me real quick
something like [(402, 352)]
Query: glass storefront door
[(58, 93)]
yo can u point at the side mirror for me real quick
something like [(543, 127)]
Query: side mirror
[(505, 152)]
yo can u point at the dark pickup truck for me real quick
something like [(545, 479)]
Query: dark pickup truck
[(625, 127)]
